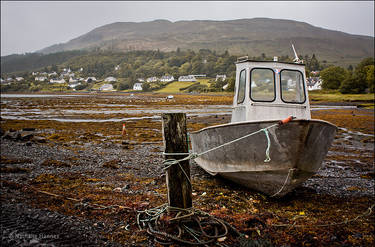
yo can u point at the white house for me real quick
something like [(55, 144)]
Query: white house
[(90, 79), (74, 85), (187, 78), (152, 79), (110, 79), (52, 74), (19, 78), (141, 80), (40, 78), (221, 77), (137, 86), (201, 76), (167, 78), (73, 80), (61, 81), (117, 67), (314, 83), (106, 87)]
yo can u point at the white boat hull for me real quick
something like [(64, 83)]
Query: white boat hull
[(297, 150)]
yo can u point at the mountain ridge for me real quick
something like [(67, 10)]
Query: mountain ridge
[(240, 36)]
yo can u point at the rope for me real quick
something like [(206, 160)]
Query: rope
[(191, 155), (286, 180), (190, 226), (238, 139), (268, 158)]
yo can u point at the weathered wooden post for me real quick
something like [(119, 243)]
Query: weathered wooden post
[(175, 141)]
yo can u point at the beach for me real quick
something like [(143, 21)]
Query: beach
[(76, 169)]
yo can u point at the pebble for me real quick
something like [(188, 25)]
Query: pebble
[(118, 189)]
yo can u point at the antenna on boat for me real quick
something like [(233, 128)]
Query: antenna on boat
[(296, 58), (242, 59)]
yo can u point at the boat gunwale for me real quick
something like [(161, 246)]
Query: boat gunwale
[(260, 122)]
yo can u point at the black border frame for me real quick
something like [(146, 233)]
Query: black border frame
[(239, 78), (274, 85), (303, 83)]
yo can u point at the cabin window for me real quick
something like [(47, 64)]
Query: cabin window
[(241, 87), (292, 86), (262, 86)]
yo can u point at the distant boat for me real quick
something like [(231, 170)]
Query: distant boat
[(256, 149)]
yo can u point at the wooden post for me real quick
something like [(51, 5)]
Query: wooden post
[(175, 141)]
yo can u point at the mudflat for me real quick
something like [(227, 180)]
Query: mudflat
[(71, 176)]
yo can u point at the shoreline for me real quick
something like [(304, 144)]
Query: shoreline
[(94, 164)]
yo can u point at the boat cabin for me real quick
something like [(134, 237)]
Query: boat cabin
[(269, 90)]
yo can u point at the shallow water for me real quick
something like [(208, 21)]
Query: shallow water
[(22, 107)]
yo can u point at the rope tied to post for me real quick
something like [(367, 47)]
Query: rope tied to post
[(190, 226), (192, 155)]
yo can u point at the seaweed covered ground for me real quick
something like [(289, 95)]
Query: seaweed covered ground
[(69, 177)]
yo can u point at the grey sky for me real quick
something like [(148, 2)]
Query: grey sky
[(29, 26)]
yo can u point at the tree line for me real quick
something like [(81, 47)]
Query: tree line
[(351, 80)]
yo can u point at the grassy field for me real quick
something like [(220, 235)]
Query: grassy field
[(338, 97), (175, 86)]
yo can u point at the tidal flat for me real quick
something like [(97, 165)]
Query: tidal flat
[(63, 154)]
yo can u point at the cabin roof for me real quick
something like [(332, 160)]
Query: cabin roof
[(255, 61)]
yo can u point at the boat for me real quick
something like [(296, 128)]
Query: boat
[(271, 144)]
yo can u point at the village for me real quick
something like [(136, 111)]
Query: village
[(71, 80)]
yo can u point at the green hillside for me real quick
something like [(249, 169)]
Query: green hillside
[(240, 37)]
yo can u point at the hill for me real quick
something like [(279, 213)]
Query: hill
[(240, 37)]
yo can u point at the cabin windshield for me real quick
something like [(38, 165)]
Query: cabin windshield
[(292, 86), (262, 86)]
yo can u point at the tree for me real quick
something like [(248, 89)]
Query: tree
[(231, 83), (370, 78), (333, 77), (360, 80)]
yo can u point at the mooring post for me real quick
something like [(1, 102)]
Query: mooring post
[(175, 141)]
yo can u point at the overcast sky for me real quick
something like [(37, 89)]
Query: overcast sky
[(31, 25)]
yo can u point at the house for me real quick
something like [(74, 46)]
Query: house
[(167, 78), (60, 81), (90, 79), (117, 67), (34, 73), (152, 79), (19, 78), (110, 79), (74, 85), (52, 74), (141, 80), (40, 78), (314, 83), (201, 76), (73, 80), (106, 87), (187, 78), (221, 77), (137, 86)]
